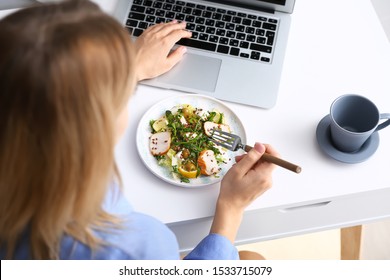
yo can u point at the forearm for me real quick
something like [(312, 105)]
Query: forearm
[(227, 220)]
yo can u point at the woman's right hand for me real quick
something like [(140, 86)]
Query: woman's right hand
[(249, 178), (155, 55)]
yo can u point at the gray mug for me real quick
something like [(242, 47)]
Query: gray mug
[(353, 119)]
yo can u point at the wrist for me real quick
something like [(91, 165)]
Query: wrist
[(227, 220)]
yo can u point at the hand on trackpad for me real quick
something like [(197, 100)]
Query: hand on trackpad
[(194, 71)]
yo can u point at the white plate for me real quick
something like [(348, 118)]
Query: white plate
[(198, 101)]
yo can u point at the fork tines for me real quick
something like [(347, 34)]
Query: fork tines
[(224, 139)]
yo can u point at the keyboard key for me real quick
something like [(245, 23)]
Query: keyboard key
[(220, 24), (143, 25), (197, 44), (216, 16), (236, 20), (221, 32), (231, 34), (270, 37), (213, 39), (226, 18), (234, 51), (223, 40), (135, 15), (244, 45), (265, 59), (137, 32), (150, 19), (181, 17), (233, 43), (148, 3), (256, 23), (196, 12), (150, 11), (260, 48), (189, 18), (187, 11), (206, 14), (250, 38), (250, 30), (244, 55), (230, 26), (157, 4), (203, 37), (260, 32), (246, 21), (176, 8), (136, 8), (160, 20), (210, 22), (170, 15), (200, 28), (199, 20), (132, 23), (269, 26), (240, 28), (190, 26), (160, 13), (210, 30), (255, 55), (240, 36), (260, 40), (223, 49)]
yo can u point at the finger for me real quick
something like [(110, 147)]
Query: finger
[(159, 26), (271, 150), (175, 56), (167, 28), (250, 159)]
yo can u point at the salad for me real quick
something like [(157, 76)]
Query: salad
[(180, 142)]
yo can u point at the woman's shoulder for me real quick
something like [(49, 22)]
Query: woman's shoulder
[(139, 236)]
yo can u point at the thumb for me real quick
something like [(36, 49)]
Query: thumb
[(175, 56), (250, 159)]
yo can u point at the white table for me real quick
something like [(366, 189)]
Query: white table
[(335, 47)]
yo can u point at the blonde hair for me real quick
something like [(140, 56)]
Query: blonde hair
[(66, 72)]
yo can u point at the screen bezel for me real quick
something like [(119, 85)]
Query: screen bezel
[(288, 7)]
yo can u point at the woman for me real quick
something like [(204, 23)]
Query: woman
[(67, 71)]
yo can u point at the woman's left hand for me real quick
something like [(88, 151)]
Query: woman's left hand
[(154, 49)]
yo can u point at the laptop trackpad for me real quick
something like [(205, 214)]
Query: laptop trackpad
[(193, 71)]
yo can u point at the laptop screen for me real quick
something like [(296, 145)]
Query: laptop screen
[(286, 6)]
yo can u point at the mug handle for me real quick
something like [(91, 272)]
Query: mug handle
[(385, 123)]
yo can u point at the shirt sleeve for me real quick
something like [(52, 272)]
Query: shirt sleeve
[(214, 247)]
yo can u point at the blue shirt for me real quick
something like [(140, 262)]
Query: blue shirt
[(139, 237)]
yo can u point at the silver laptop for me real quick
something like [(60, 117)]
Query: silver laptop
[(236, 51)]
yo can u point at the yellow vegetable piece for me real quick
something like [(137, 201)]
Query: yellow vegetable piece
[(187, 174), (160, 124)]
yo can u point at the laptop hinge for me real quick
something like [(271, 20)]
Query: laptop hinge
[(243, 5)]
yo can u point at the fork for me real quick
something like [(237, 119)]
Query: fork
[(233, 142)]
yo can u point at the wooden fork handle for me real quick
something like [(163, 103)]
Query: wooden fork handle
[(278, 161)]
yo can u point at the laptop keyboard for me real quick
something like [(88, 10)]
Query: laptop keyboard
[(228, 32)]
